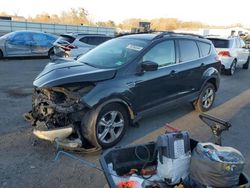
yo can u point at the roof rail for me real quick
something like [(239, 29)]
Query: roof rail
[(162, 34), (191, 34)]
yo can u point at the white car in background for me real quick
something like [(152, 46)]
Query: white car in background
[(73, 45), (232, 52)]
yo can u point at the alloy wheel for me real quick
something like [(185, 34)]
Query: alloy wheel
[(207, 99), (110, 126)]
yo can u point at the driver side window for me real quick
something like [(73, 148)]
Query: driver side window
[(163, 54)]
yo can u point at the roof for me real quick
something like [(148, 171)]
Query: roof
[(81, 34), (221, 37), (159, 35)]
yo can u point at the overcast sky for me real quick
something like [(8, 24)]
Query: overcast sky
[(215, 12)]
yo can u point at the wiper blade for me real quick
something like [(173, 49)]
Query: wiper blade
[(88, 64)]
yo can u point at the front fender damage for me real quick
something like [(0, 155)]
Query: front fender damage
[(57, 115)]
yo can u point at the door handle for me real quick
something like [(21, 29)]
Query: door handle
[(173, 73), (202, 65)]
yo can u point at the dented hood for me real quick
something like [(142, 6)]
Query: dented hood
[(65, 71)]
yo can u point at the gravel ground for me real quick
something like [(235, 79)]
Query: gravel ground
[(28, 162)]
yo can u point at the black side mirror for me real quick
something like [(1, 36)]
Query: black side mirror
[(149, 66)]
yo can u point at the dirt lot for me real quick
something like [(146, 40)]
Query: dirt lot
[(28, 162)]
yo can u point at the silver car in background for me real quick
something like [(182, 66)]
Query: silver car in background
[(26, 43), (73, 45), (232, 52)]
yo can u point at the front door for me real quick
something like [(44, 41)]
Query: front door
[(155, 87)]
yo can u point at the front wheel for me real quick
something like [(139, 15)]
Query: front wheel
[(232, 68), (246, 65), (110, 126), (205, 99)]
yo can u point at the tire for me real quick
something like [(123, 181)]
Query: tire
[(51, 53), (1, 54), (109, 127), (246, 65), (231, 70), (206, 98)]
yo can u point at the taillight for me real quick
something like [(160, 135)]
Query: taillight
[(224, 53), (68, 48)]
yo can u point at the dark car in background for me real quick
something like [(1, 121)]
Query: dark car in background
[(120, 81), (26, 43), (76, 44)]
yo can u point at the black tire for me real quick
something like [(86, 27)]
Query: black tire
[(51, 53), (101, 128), (246, 65), (199, 104), (231, 70), (1, 54)]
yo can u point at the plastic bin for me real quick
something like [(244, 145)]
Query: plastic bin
[(124, 159)]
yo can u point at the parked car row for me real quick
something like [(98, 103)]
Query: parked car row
[(34, 43)]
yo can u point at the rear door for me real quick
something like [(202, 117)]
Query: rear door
[(18, 44), (243, 53), (190, 66), (40, 44)]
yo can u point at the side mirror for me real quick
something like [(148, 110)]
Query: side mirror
[(149, 66)]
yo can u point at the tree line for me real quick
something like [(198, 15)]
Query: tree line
[(80, 16)]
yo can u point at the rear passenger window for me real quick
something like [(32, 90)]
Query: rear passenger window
[(188, 50), (84, 39), (242, 43), (163, 54), (205, 48)]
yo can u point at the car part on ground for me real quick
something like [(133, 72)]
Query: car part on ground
[(26, 43), (121, 81), (76, 44), (122, 164), (232, 52)]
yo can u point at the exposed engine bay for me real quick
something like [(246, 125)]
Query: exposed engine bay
[(57, 113)]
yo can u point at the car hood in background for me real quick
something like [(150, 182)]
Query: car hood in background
[(65, 71)]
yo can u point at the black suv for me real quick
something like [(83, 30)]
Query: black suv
[(95, 98)]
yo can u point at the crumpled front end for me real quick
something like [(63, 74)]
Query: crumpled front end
[(57, 113)]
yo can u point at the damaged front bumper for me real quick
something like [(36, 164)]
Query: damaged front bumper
[(56, 116), (51, 135)]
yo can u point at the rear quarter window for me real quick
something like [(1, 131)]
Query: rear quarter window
[(188, 50), (67, 38), (205, 48), (92, 40)]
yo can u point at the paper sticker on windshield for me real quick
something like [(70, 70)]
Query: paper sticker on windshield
[(119, 63), (133, 47)]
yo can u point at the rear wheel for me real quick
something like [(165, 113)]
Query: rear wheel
[(206, 98), (232, 68), (51, 53), (1, 54), (246, 65)]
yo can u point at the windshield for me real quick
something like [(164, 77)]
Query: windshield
[(113, 53)]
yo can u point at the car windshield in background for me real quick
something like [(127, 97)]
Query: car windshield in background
[(113, 53), (220, 43), (65, 39)]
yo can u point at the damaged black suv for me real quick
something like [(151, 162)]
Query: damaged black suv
[(95, 98)]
